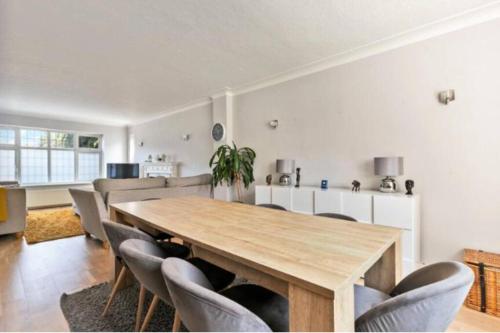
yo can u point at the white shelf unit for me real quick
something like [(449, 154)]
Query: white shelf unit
[(373, 207), (155, 169)]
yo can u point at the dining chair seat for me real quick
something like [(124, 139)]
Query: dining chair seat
[(272, 308), (116, 234), (145, 259), (272, 206), (240, 308), (367, 298), (219, 278), (427, 300), (337, 216)]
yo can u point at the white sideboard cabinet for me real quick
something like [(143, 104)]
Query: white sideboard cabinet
[(389, 209)]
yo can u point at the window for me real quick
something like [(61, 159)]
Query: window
[(62, 166), (34, 138), (34, 168), (7, 136), (37, 156), (7, 164), (88, 166), (62, 140), (91, 142)]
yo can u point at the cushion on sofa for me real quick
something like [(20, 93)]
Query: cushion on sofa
[(202, 179), (104, 186)]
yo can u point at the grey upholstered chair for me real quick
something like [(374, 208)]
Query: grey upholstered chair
[(144, 260), (272, 206), (241, 308), (426, 300), (92, 211), (337, 216), (118, 233)]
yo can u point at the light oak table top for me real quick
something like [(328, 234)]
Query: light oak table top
[(317, 253)]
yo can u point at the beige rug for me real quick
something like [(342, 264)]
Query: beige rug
[(49, 224)]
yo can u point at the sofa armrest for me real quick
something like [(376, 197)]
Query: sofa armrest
[(16, 203)]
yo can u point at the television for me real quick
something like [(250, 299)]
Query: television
[(123, 170)]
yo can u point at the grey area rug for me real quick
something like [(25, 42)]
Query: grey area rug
[(83, 310)]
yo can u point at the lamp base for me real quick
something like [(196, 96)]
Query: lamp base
[(285, 180), (388, 185)]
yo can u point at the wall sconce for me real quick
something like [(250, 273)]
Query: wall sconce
[(273, 124), (446, 96), (186, 137), (141, 144)]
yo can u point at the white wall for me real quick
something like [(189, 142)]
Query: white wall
[(114, 151), (334, 122), (164, 135)]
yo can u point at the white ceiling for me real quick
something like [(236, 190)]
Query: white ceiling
[(123, 61)]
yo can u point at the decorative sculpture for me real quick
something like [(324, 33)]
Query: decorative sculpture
[(297, 181), (356, 186), (269, 179), (409, 184)]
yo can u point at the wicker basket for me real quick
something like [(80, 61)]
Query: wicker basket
[(484, 295)]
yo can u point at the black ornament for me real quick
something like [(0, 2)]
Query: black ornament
[(269, 179), (297, 182), (355, 186), (409, 184)]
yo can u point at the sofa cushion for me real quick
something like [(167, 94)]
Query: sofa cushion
[(203, 179), (104, 186)]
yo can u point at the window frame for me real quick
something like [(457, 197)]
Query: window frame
[(76, 149)]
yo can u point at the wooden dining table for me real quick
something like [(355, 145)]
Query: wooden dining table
[(312, 261)]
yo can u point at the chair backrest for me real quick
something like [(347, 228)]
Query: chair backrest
[(144, 259), (92, 211), (117, 233), (201, 308), (337, 216), (272, 206), (426, 300)]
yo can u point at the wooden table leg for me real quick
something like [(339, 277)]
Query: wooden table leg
[(311, 312), (129, 277), (343, 310), (386, 272)]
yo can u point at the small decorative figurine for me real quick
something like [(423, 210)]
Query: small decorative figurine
[(297, 181), (324, 184), (409, 184), (269, 179), (355, 186)]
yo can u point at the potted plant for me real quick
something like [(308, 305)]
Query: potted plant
[(233, 166)]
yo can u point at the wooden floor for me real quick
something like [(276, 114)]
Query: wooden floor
[(32, 278)]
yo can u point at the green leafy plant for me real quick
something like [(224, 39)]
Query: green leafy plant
[(233, 166)]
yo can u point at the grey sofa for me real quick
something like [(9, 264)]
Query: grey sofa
[(16, 204), (138, 189)]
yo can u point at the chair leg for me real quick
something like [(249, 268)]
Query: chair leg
[(140, 305), (87, 234), (177, 322), (150, 313), (118, 281)]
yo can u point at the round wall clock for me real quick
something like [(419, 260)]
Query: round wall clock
[(218, 132)]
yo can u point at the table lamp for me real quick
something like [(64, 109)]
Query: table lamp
[(388, 167), (286, 168)]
